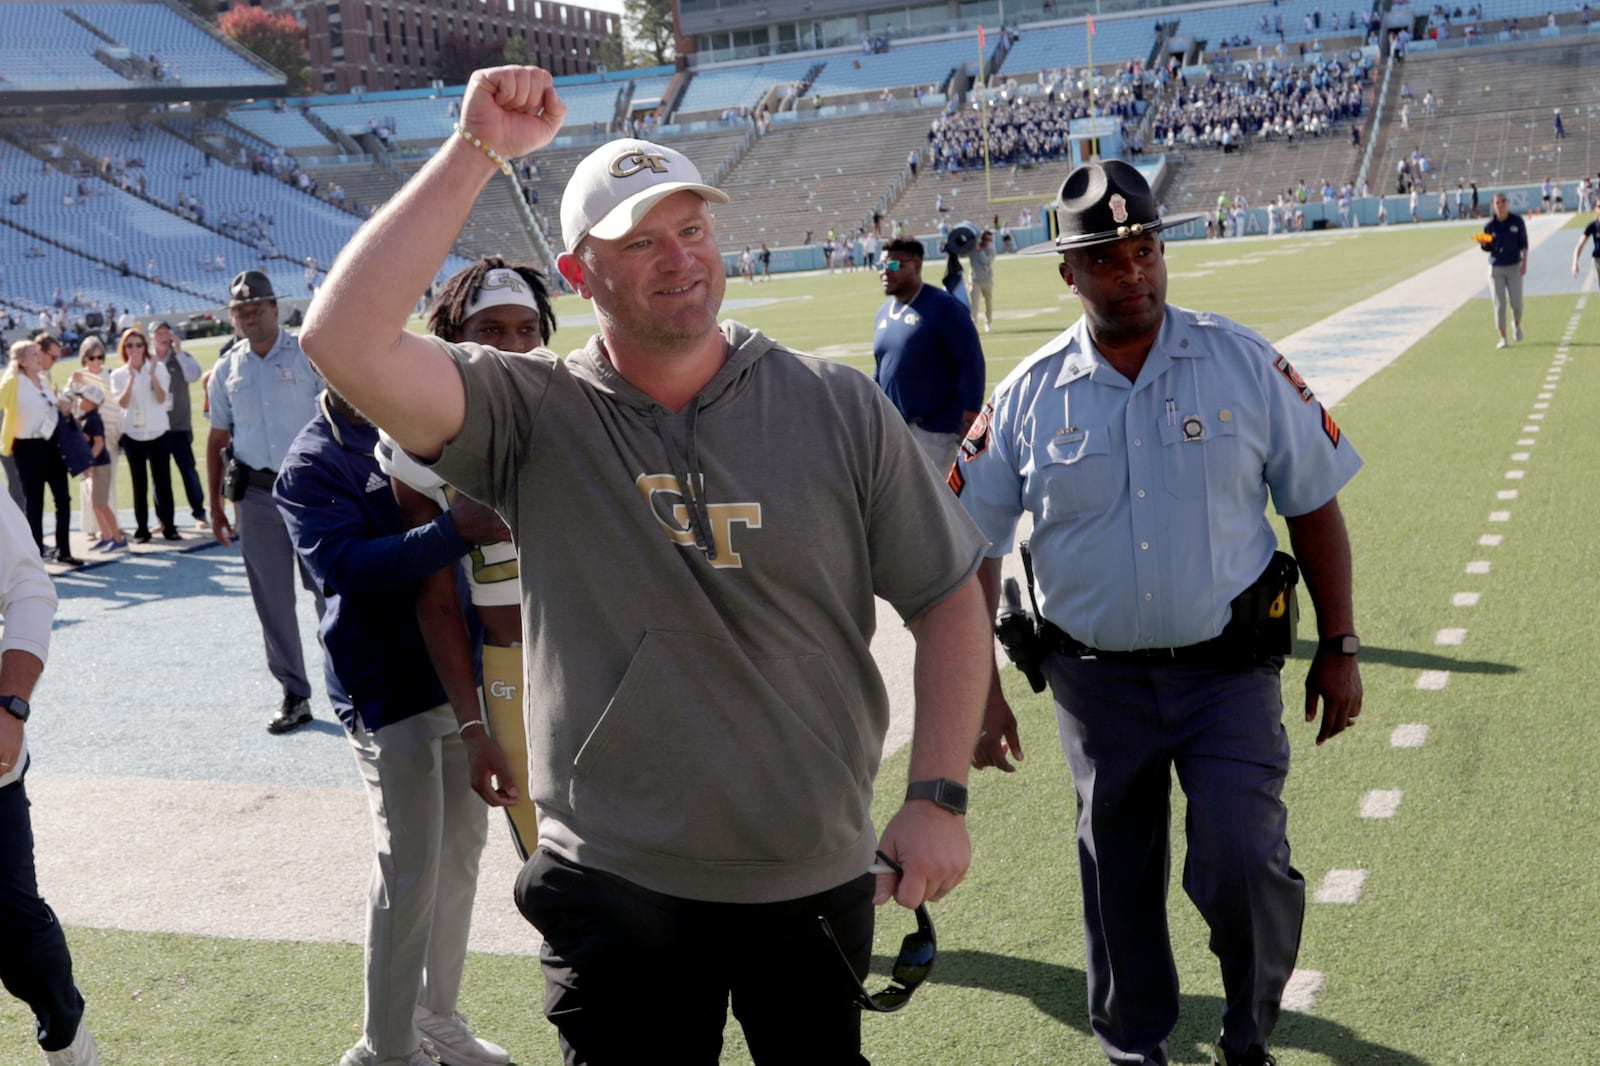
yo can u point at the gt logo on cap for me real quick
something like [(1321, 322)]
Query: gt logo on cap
[(631, 163), (503, 279)]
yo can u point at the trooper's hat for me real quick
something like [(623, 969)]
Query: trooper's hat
[(1104, 202), (250, 287)]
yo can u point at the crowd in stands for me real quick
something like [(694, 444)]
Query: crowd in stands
[(1445, 22), (1277, 104), (1023, 130)]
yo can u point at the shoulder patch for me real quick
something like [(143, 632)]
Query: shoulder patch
[(977, 439), (1293, 377), (1330, 427)]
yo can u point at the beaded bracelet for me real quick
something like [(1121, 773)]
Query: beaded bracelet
[(495, 157), (461, 730)]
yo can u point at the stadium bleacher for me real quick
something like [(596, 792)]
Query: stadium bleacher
[(1116, 40), (287, 129), (186, 52), (42, 48), (741, 86), (902, 66), (1217, 25), (649, 92)]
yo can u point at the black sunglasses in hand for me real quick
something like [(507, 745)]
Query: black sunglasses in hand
[(911, 966)]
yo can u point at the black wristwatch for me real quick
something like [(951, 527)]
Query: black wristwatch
[(942, 791), (17, 706), (1343, 644)]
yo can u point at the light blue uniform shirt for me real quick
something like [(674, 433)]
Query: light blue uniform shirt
[(1149, 499), (264, 401)]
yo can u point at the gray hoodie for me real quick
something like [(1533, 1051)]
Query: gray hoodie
[(704, 714)]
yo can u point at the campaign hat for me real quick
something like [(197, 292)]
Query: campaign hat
[(250, 287), (1104, 202)]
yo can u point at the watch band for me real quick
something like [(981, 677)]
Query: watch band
[(1340, 644), (942, 792), (17, 706)]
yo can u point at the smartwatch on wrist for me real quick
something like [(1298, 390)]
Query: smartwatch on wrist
[(942, 791), (1341, 644), (17, 706)]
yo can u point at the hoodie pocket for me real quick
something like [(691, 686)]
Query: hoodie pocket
[(706, 754)]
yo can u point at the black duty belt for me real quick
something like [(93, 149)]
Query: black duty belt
[(1214, 650), (260, 479)]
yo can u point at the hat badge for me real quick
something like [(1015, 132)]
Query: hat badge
[(1119, 208), (631, 163)]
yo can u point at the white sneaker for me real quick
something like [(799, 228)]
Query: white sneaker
[(1517, 331), (81, 1052), (448, 1039), (1501, 343), (361, 1055)]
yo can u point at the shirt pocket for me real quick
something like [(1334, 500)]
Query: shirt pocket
[(1075, 472), (1197, 451)]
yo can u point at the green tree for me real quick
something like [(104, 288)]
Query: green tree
[(274, 36), (516, 52), (650, 25), (613, 52)]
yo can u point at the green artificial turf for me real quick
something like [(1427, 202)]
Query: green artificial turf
[(1474, 938)]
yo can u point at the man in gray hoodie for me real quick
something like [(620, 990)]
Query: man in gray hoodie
[(704, 519)]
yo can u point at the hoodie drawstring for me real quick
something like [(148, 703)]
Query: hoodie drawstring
[(691, 479)]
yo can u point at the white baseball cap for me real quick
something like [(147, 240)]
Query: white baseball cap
[(501, 286), (618, 183)]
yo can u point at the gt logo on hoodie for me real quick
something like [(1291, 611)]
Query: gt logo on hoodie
[(664, 496)]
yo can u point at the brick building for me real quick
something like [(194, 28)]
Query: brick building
[(396, 44)]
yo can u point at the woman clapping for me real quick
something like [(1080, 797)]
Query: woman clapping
[(140, 387)]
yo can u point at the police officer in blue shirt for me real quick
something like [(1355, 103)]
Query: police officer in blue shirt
[(263, 390), (1145, 442)]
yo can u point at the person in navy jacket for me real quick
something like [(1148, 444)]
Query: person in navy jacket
[(429, 826)]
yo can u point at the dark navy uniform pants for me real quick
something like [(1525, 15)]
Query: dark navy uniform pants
[(34, 963), (1125, 727)]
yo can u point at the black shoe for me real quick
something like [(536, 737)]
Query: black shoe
[(168, 533), (1256, 1056), (141, 536), (68, 560), (294, 713)]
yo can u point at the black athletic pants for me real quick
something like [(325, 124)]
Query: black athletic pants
[(634, 976), (39, 464)]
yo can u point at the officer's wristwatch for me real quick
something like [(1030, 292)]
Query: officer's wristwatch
[(17, 706), (1342, 644), (942, 791)]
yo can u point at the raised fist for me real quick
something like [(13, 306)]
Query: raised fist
[(514, 110)]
